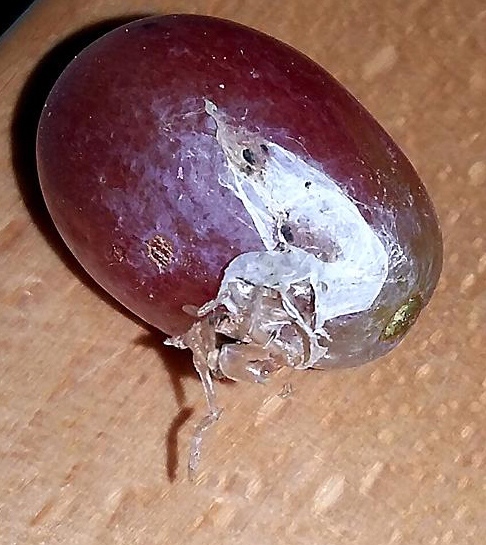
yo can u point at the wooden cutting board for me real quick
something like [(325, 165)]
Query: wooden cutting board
[(96, 416)]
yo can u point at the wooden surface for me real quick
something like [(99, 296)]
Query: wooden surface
[(96, 417)]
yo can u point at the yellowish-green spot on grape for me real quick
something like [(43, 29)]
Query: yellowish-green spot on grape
[(403, 319)]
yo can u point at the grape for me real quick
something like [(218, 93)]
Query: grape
[(227, 190)]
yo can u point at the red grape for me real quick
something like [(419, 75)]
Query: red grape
[(229, 191)]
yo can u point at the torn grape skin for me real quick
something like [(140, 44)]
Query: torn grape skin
[(275, 304)]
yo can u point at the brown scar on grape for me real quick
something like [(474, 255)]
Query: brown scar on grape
[(160, 251), (403, 319), (117, 253)]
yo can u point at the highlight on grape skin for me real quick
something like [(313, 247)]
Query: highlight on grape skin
[(227, 190)]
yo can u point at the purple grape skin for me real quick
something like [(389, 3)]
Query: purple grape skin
[(127, 117)]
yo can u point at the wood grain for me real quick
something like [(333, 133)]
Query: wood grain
[(96, 416)]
